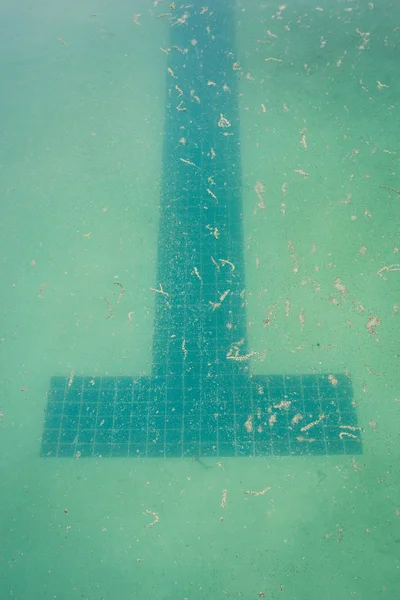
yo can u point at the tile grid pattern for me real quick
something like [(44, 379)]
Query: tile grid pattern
[(286, 415), (200, 228), (200, 400)]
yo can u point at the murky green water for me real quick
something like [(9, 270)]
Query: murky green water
[(311, 213)]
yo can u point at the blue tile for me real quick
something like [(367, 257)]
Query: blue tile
[(120, 436), (68, 423), (51, 437), (57, 394), (120, 450), (173, 436), (139, 436), (65, 451), (72, 409), (173, 450), (102, 450), (83, 450), (91, 383), (107, 396), (54, 409), (68, 436), (90, 396), (86, 436)]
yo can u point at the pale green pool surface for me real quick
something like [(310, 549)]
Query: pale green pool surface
[(199, 388)]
